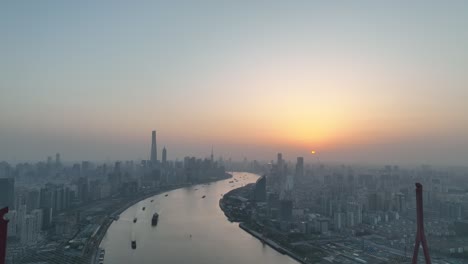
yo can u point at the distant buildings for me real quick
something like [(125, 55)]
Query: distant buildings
[(52, 202), (197, 170), (53, 199), (286, 207), (31, 227)]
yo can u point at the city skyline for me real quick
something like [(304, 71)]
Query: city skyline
[(334, 210), (355, 81), (206, 132), (307, 156)]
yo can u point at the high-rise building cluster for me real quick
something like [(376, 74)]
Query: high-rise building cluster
[(53, 202), (372, 208)]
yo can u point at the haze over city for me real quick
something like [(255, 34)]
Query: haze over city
[(233, 132), (367, 81)]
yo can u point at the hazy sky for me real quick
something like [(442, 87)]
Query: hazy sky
[(375, 81)]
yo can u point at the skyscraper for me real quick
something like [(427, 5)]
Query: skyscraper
[(164, 155), (279, 159), (300, 167), (280, 165), (57, 160), (260, 190), (154, 153), (7, 188)]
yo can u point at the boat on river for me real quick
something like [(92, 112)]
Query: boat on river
[(155, 219)]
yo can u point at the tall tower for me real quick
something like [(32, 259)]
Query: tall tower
[(280, 165), (420, 236), (164, 155), (154, 153)]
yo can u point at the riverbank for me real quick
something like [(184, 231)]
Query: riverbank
[(243, 215), (113, 217), (109, 220), (183, 213), (271, 243)]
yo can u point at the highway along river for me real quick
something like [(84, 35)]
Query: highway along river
[(191, 229)]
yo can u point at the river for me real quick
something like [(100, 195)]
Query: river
[(190, 230)]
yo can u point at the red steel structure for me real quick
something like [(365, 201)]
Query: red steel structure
[(3, 234), (420, 236)]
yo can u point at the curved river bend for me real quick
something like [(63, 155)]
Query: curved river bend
[(183, 213)]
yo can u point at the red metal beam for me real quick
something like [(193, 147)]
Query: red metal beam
[(3, 234), (420, 236)]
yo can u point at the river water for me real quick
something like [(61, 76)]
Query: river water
[(190, 230)]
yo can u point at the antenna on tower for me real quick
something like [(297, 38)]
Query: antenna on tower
[(420, 236)]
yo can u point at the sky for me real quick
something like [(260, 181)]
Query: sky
[(357, 81)]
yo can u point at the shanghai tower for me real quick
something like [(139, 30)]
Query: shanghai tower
[(154, 153)]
